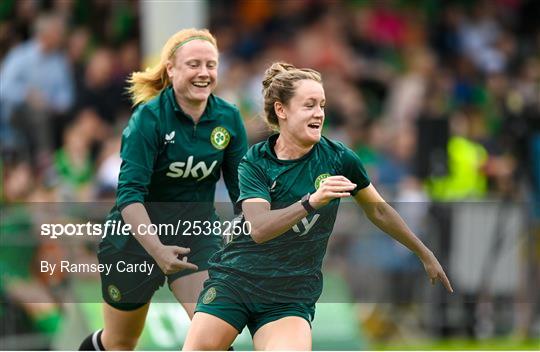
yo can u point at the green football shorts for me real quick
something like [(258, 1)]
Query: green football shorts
[(128, 290), (234, 306)]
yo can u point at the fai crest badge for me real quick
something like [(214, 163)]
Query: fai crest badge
[(114, 293), (210, 295), (320, 179), (220, 137)]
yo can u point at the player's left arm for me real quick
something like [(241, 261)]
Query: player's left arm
[(388, 220), (234, 152)]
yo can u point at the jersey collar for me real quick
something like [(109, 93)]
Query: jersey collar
[(207, 114), (269, 151)]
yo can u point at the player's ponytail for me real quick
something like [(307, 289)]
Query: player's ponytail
[(278, 85), (145, 85)]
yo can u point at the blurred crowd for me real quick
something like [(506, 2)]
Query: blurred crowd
[(411, 86), (440, 99), (405, 80), (64, 66)]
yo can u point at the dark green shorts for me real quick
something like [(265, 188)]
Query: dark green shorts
[(131, 290), (234, 306)]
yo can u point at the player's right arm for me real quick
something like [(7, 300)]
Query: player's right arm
[(140, 146), (268, 224)]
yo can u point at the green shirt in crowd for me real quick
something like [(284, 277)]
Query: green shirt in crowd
[(288, 267)]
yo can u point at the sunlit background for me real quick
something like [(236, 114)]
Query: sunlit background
[(440, 99)]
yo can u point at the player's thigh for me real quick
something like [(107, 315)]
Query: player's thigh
[(123, 327), (187, 288), (208, 332), (288, 333)]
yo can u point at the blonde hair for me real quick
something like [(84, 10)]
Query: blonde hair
[(145, 85), (278, 85)]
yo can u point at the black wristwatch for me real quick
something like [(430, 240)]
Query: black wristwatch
[(305, 203)]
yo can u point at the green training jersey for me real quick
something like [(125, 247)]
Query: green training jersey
[(288, 267), (168, 159)]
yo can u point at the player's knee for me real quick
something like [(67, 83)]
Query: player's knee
[(287, 345), (205, 343)]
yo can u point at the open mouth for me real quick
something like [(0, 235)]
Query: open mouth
[(314, 125), (201, 84)]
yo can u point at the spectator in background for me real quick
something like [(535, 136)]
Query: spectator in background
[(21, 290), (98, 90), (72, 164), (36, 87), (128, 60), (404, 105), (77, 49), (478, 37), (16, 18), (108, 169)]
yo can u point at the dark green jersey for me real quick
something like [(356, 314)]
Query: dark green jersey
[(288, 267), (166, 157)]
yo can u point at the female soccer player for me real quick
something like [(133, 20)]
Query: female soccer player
[(178, 140), (290, 187)]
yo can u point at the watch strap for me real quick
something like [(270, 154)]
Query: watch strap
[(305, 203)]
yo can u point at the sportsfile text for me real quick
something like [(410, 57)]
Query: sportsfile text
[(110, 227), (114, 227)]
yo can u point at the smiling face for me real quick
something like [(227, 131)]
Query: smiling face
[(303, 116), (193, 71)]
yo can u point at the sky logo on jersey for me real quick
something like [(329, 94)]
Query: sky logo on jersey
[(320, 179), (220, 137), (185, 169), (169, 137), (307, 224)]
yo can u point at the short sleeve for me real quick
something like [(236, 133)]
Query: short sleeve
[(354, 170), (138, 152), (252, 181)]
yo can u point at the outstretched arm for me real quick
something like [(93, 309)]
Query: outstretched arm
[(387, 219)]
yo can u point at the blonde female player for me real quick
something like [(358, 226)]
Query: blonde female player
[(177, 142)]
